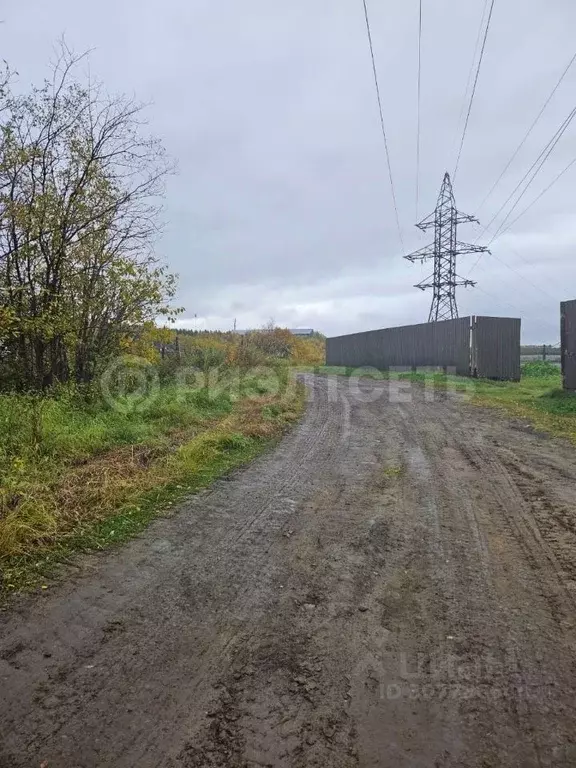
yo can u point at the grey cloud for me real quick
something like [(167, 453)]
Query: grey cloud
[(282, 204)]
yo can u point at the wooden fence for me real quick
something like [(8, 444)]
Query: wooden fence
[(488, 347), (495, 348)]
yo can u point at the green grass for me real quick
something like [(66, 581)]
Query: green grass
[(537, 399), (78, 474), (343, 370), (35, 431), (392, 472), (35, 567)]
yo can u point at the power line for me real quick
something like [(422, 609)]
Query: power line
[(557, 178), (536, 167), (471, 71), (543, 157), (515, 271), (474, 87), (514, 307), (531, 264), (529, 131), (418, 118), (381, 110), (521, 276), (518, 274)]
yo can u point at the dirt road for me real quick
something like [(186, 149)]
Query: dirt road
[(394, 585)]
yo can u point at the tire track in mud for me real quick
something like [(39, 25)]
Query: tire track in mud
[(318, 432), (383, 548), (527, 681), (230, 564), (508, 494), (446, 456), (531, 678)]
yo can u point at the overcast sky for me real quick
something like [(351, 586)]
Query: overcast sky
[(282, 204)]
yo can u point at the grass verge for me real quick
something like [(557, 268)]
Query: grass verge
[(105, 490), (538, 400)]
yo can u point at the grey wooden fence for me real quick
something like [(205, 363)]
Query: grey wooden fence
[(482, 346), (429, 344), (568, 343), (495, 350)]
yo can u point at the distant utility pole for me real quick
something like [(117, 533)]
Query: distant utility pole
[(446, 247)]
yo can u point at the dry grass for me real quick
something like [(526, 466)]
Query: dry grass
[(113, 495)]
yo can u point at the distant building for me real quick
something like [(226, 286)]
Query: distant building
[(302, 331)]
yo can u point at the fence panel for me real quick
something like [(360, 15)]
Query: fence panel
[(496, 348), (445, 343), (568, 343), (490, 346)]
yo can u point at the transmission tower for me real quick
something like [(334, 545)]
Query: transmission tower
[(446, 247)]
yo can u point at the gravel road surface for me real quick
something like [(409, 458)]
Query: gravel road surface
[(393, 585)]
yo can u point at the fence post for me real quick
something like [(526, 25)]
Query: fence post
[(178, 355), (563, 344), (544, 352)]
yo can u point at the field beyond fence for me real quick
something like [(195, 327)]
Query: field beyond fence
[(540, 352)]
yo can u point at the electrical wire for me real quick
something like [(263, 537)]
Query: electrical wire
[(529, 131), (557, 178), (520, 275), (474, 88), (470, 73), (542, 158), (419, 111), (381, 110), (514, 307), (532, 264), (515, 271)]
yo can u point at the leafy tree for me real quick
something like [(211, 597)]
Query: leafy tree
[(79, 213)]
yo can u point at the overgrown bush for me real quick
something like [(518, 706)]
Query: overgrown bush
[(255, 348), (204, 358), (246, 355), (540, 369)]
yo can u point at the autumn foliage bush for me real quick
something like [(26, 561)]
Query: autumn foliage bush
[(258, 347)]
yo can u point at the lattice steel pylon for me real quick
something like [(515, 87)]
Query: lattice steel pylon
[(444, 250)]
